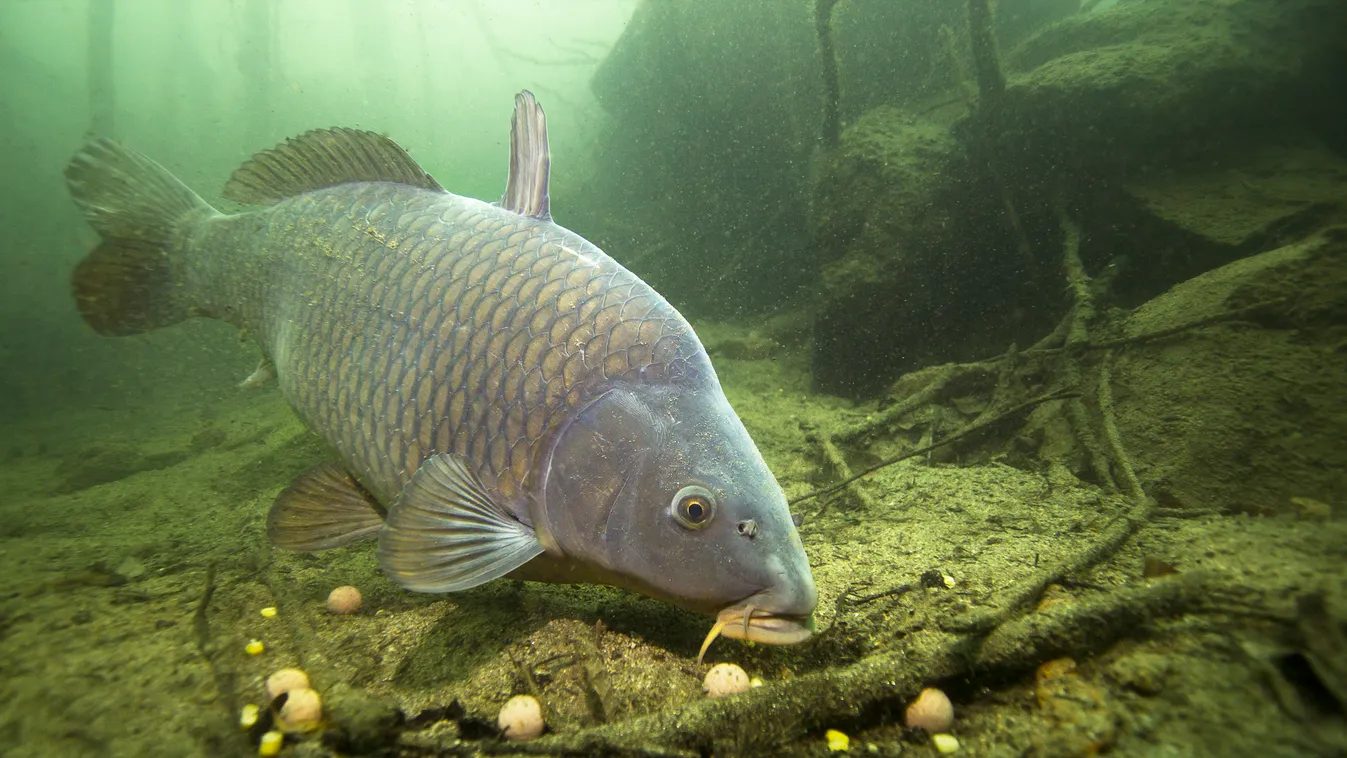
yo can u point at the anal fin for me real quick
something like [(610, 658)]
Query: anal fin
[(264, 374), (323, 508), (446, 534)]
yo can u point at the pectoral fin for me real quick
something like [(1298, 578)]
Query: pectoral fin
[(325, 507), (445, 534)]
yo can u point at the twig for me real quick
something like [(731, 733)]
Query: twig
[(1078, 333), (987, 121), (901, 589), (956, 61), (1029, 590), (944, 376), (1230, 315), (1183, 513), (200, 619), (986, 63), (1082, 302), (1120, 461), (224, 675), (1105, 547), (841, 469), (964, 432)]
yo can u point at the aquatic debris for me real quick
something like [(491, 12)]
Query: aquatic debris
[(344, 600), (725, 679), (248, 716), (933, 579), (269, 612), (254, 647), (284, 681), (838, 742), (521, 718), (271, 743), (931, 711), (301, 710), (945, 743)]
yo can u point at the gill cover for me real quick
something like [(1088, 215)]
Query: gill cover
[(658, 488)]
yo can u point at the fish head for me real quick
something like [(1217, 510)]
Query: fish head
[(659, 488)]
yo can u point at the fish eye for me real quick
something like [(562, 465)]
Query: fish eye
[(693, 506)]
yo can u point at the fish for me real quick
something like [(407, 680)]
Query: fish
[(501, 397)]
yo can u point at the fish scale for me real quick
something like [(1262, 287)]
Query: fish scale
[(452, 326)]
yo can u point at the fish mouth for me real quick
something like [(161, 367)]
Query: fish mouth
[(749, 622)]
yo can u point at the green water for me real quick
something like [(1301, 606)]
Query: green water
[(1140, 206)]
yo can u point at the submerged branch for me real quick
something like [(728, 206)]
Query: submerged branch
[(986, 63), (775, 714), (823, 14), (964, 432)]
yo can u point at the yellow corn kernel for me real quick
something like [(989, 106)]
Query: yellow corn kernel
[(269, 611), (837, 741), (254, 647), (271, 744)]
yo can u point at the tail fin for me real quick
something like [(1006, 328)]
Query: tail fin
[(127, 285)]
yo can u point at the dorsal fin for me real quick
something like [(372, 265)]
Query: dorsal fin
[(530, 162), (323, 158)]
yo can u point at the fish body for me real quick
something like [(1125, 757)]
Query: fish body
[(502, 397), (403, 322)]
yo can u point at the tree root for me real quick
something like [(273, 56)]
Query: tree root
[(942, 377), (839, 463), (872, 690), (1121, 463), (1090, 627), (823, 26), (1027, 592)]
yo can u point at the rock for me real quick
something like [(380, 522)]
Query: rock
[(1144, 673), (1082, 718), (1248, 201), (1309, 508), (1237, 423), (1150, 80), (1124, 117), (914, 251), (131, 567), (360, 722)]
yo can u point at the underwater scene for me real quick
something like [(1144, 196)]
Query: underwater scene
[(673, 378)]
